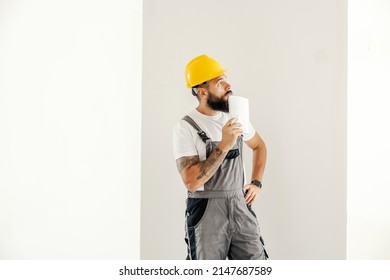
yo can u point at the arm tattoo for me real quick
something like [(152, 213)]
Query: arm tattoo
[(207, 168), (183, 162), (211, 164)]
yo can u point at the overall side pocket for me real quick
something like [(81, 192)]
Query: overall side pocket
[(196, 208)]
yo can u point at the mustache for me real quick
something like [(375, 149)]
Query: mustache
[(229, 92)]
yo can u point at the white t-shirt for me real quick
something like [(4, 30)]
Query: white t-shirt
[(186, 141)]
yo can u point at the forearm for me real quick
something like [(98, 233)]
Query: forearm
[(258, 162), (196, 174)]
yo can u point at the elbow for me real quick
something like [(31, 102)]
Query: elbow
[(261, 147), (191, 181), (191, 190), (191, 186)]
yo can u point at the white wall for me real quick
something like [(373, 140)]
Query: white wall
[(289, 59), (70, 94), (368, 129)]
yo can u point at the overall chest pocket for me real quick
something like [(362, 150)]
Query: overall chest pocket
[(232, 154)]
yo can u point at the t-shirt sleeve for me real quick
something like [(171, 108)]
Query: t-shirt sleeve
[(183, 141), (250, 134)]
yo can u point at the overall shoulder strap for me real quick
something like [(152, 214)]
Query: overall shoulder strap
[(201, 133)]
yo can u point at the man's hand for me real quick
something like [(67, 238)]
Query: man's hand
[(252, 193), (230, 132)]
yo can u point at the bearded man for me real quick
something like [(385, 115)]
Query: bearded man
[(220, 223)]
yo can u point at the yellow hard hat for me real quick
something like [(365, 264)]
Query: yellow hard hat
[(201, 69)]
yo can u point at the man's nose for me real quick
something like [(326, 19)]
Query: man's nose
[(227, 86)]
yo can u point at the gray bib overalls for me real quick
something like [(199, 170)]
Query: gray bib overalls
[(219, 223)]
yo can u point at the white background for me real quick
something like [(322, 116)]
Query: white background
[(368, 130), (289, 58), (70, 122)]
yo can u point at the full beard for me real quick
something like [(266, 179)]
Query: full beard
[(218, 103)]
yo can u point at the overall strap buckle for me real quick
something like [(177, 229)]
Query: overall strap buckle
[(201, 133)]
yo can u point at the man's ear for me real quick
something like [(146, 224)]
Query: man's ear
[(202, 92)]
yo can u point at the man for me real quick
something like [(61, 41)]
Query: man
[(207, 143)]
